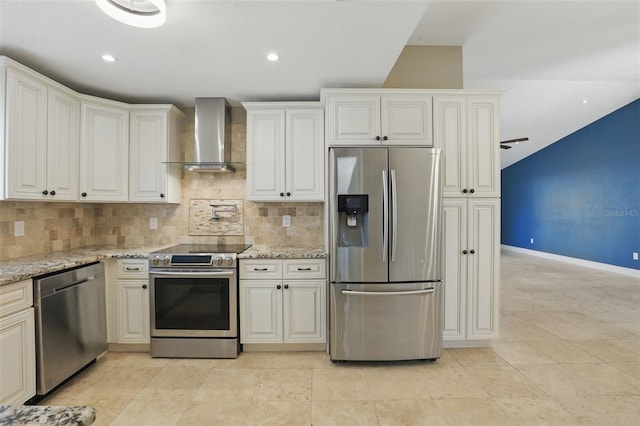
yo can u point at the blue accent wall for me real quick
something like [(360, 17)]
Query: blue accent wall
[(580, 197)]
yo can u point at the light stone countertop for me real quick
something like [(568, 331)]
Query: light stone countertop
[(269, 252), (24, 268), (46, 415)]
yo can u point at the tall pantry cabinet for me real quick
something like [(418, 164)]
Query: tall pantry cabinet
[(466, 128)]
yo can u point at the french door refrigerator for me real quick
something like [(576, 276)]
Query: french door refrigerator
[(385, 214)]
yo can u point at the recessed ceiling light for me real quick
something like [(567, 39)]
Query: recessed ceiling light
[(273, 57), (109, 58), (584, 101)]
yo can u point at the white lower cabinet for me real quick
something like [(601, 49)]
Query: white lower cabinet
[(472, 273), (17, 343), (132, 301), (282, 301)]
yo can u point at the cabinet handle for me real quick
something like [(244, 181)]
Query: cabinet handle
[(45, 192), (385, 138), (129, 268), (84, 194), (260, 269), (472, 252), (286, 286), (144, 286), (52, 193), (304, 269), (464, 252), (282, 194), (377, 138), (161, 195), (464, 191), (472, 190), (278, 286), (288, 194)]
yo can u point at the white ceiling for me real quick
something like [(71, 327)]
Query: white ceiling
[(547, 56)]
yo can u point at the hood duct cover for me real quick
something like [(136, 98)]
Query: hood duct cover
[(212, 141)]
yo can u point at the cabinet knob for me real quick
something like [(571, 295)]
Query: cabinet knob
[(472, 190), (84, 194), (45, 192), (464, 191), (52, 193), (282, 194), (278, 286), (161, 195), (377, 138), (472, 252), (286, 286), (288, 194), (385, 138), (464, 252), (144, 286)]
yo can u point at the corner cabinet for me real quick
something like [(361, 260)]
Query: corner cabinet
[(471, 269), (282, 301), (17, 343), (389, 118), (467, 130), (41, 138), (285, 151), (104, 150), (154, 140)]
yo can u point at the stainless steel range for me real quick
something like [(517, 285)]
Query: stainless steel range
[(194, 301)]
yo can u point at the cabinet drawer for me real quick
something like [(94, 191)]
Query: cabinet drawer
[(16, 297), (304, 268), (260, 269), (133, 268)]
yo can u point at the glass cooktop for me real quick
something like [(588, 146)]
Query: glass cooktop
[(204, 248)]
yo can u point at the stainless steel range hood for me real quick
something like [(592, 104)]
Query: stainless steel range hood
[(212, 141)]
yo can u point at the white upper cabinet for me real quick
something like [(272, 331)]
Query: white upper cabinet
[(467, 130), (396, 118), (41, 138), (154, 140), (285, 156), (104, 150)]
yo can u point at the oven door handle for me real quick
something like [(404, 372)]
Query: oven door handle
[(192, 274)]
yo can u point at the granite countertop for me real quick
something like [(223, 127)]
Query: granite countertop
[(46, 415), (268, 252), (24, 268)]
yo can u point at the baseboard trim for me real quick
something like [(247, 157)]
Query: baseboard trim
[(284, 347), (575, 261)]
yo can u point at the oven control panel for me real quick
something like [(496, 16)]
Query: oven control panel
[(201, 259)]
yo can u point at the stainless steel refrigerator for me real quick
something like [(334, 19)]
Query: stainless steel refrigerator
[(385, 219)]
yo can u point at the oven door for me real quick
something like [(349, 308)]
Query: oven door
[(193, 302)]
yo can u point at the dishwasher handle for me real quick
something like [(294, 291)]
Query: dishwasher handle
[(57, 282)]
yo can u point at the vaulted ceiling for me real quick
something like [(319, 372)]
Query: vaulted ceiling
[(547, 56)]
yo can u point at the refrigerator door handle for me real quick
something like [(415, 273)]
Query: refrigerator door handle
[(385, 221), (394, 216), (387, 293)]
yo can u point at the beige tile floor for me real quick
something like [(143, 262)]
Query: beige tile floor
[(569, 353)]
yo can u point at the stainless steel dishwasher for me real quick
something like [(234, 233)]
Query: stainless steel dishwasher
[(71, 323)]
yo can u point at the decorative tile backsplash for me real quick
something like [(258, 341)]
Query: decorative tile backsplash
[(54, 226), (216, 217)]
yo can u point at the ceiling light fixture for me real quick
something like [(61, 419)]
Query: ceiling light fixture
[(108, 58), (273, 57), (137, 13), (584, 101)]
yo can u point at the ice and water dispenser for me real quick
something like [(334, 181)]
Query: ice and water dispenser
[(353, 223)]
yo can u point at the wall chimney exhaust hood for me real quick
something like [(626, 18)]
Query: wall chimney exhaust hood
[(212, 141)]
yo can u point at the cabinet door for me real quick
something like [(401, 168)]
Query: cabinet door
[(26, 137), (17, 358), (148, 149), (260, 311), (450, 135), (354, 120), (406, 120), (304, 311), (304, 155), (483, 268), (455, 268), (484, 147), (133, 311), (104, 152), (265, 155), (63, 145)]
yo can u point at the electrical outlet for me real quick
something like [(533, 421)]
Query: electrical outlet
[(532, 241), (286, 220), (153, 223), (635, 256), (18, 228)]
